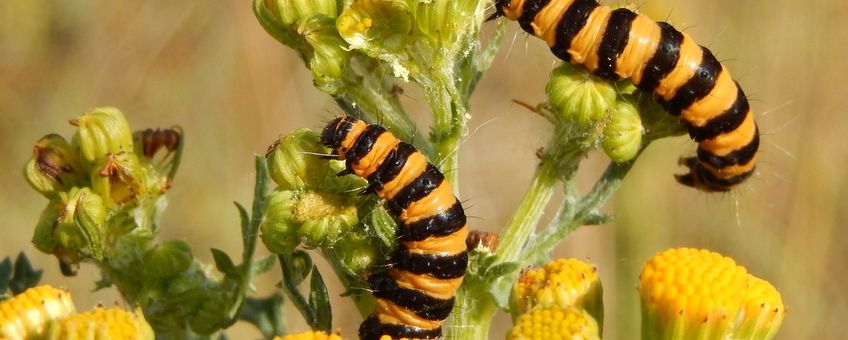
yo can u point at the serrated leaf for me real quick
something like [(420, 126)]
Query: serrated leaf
[(264, 265), (224, 263), (5, 274), (243, 218), (292, 277), (319, 302), (25, 276)]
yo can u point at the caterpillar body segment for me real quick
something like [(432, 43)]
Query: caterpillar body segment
[(686, 79), (417, 292)]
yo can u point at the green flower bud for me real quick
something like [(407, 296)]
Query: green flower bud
[(324, 217), (329, 54), (292, 11), (383, 225), (54, 166), (292, 163), (279, 228), (101, 132), (356, 252), (578, 98), (167, 259), (622, 137), (381, 29), (656, 122), (119, 178), (71, 227), (448, 22)]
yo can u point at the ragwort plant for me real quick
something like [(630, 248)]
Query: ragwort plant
[(106, 186)]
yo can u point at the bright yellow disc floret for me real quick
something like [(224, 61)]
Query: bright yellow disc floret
[(554, 324), (310, 335), (30, 312), (560, 283), (102, 324)]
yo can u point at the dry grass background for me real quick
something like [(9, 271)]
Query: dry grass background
[(209, 67)]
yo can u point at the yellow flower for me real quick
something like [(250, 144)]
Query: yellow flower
[(554, 323), (691, 293), (310, 335), (29, 313), (102, 324), (560, 283)]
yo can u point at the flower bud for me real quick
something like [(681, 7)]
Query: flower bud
[(54, 166), (292, 162), (356, 252), (162, 148), (690, 293), (578, 98), (309, 335), (560, 283), (28, 314), (102, 324), (763, 309), (167, 259), (330, 55), (71, 227), (279, 228), (382, 29), (565, 323), (324, 217), (119, 178), (101, 132), (622, 139), (448, 22)]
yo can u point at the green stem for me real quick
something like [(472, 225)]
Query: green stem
[(474, 309), (353, 286)]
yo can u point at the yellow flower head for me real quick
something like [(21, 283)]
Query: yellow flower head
[(691, 293), (310, 335), (763, 310), (30, 312), (553, 324), (102, 324), (560, 283)]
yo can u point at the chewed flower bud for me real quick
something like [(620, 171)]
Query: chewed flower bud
[(54, 166), (162, 148), (543, 323), (622, 139), (292, 161), (167, 259), (279, 228), (447, 22), (330, 55), (119, 178), (380, 28), (763, 310), (324, 217), (102, 324), (560, 283), (309, 335), (688, 293), (71, 227), (578, 98), (101, 132), (28, 314), (356, 252)]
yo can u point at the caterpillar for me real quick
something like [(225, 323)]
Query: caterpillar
[(685, 78), (417, 292)]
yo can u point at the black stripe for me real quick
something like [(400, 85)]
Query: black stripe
[(334, 134), (739, 156), (702, 82), (725, 122), (572, 21), (423, 305), (442, 224), (664, 59), (614, 41), (439, 266), (373, 329), (706, 178), (363, 144), (417, 189), (528, 13), (391, 166)]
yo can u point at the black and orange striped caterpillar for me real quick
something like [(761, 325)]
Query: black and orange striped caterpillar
[(686, 79), (417, 292)]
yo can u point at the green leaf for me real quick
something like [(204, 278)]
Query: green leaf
[(264, 265), (293, 275), (244, 219), (267, 314), (5, 274), (224, 263), (501, 269), (500, 290), (25, 276), (595, 218), (319, 302)]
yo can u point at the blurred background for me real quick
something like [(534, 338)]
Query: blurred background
[(209, 67)]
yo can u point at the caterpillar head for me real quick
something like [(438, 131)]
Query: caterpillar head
[(508, 8), (334, 135)]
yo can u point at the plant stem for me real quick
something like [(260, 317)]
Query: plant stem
[(473, 311), (357, 288)]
